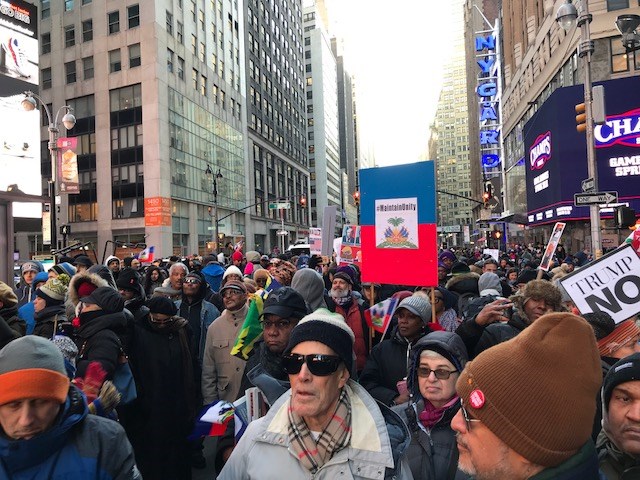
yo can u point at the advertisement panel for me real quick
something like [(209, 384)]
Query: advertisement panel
[(67, 167), (19, 137), (556, 154)]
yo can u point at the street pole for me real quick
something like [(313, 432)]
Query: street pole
[(215, 214), (282, 231)]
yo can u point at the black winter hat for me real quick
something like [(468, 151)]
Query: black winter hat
[(82, 260), (601, 322), (624, 370), (129, 279), (162, 305), (108, 299), (286, 303)]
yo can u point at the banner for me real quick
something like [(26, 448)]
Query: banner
[(398, 224), (611, 284), (545, 262), (350, 249), (67, 166)]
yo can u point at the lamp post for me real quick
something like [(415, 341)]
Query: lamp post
[(627, 26), (566, 17), (29, 103), (214, 179)]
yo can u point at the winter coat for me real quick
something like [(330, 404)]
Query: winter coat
[(500, 332), (160, 419), (379, 440), (581, 466), (613, 462), (49, 321), (221, 372), (78, 446), (270, 363), (11, 327), (208, 313), (73, 298), (98, 340), (25, 294), (464, 283), (354, 316), (385, 367)]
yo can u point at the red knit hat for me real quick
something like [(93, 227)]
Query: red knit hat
[(621, 335), (85, 289)]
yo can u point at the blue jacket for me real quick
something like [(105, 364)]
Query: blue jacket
[(78, 446), (208, 313)]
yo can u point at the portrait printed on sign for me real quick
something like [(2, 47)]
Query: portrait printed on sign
[(396, 222)]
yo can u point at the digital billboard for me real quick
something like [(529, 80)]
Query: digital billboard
[(556, 153), (20, 132)]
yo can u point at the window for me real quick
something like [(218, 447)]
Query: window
[(86, 2), (617, 5), (194, 79), (115, 64), (203, 86), (114, 22), (180, 32), (181, 68), (194, 48), (202, 53), (68, 5), (170, 23), (87, 67), (70, 72), (45, 43), (69, 36), (133, 15), (134, 55), (46, 78), (46, 9), (619, 57), (170, 55), (87, 30)]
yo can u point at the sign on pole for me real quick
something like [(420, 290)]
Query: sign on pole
[(315, 241), (398, 224), (595, 198), (279, 205), (545, 262), (588, 184), (611, 284), (328, 229)]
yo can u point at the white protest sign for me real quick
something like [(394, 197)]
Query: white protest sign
[(610, 284)]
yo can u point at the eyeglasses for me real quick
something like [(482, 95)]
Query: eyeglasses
[(440, 373), (191, 281), (155, 319), (467, 418), (231, 293), (318, 364), (280, 324)]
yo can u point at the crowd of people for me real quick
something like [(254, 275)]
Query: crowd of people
[(491, 374)]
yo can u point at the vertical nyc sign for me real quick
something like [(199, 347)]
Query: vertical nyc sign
[(488, 92)]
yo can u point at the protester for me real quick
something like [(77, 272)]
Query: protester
[(448, 258), (132, 293), (308, 283), (177, 273), (444, 305), (81, 285), (161, 418), (49, 311), (527, 404), (46, 429), (221, 372), (63, 268), (113, 263), (153, 279), (11, 327), (282, 271), (104, 273), (388, 363), (464, 283), (232, 273), (326, 426), (26, 292), (490, 289), (619, 443), (82, 263), (435, 364)]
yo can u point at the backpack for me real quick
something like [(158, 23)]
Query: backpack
[(463, 303), (476, 305)]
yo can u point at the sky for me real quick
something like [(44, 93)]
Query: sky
[(395, 51)]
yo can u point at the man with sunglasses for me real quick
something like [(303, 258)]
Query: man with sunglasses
[(326, 426), (527, 404)]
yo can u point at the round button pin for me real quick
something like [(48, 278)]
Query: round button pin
[(476, 399)]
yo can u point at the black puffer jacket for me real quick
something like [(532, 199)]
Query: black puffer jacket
[(99, 340), (49, 321), (11, 327), (500, 332)]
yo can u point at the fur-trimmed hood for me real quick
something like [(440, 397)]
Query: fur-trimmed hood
[(467, 282), (79, 278)]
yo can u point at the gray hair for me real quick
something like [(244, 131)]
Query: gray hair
[(179, 265)]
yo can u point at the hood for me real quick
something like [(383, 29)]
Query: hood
[(21, 454), (447, 341), (467, 282), (308, 283), (80, 278), (212, 274), (111, 257), (109, 321), (489, 281), (450, 299), (104, 273)]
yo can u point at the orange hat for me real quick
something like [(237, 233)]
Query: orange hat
[(621, 335)]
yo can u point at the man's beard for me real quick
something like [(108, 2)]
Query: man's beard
[(340, 292)]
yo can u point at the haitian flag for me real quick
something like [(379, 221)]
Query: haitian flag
[(398, 224), (146, 255), (379, 316)]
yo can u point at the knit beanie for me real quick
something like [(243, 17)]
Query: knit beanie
[(418, 306), (162, 305), (7, 296), (129, 279), (231, 270), (252, 256), (41, 277), (537, 391), (54, 291), (622, 334), (32, 266), (489, 283), (328, 328), (65, 268), (234, 285), (602, 324), (32, 367), (237, 256), (624, 370)]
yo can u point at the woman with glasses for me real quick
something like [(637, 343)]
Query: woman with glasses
[(445, 304), (436, 361)]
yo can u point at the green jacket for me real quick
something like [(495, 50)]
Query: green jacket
[(616, 465)]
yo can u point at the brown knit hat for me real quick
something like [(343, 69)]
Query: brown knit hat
[(621, 335), (7, 296), (537, 392)]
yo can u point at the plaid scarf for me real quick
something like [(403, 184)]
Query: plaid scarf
[(313, 455)]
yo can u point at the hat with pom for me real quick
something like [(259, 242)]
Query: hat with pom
[(54, 291)]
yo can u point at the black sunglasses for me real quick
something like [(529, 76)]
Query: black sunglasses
[(318, 364)]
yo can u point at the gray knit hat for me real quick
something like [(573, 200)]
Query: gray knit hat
[(417, 305), (32, 367)]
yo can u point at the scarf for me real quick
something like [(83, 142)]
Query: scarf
[(336, 436), (432, 415), (49, 312), (341, 297), (449, 320)]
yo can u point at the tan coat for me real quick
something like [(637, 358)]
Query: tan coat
[(221, 372)]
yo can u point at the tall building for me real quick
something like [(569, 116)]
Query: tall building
[(322, 116), (543, 73), (452, 161), (157, 87), (279, 167)]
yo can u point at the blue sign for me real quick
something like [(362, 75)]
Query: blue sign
[(487, 91)]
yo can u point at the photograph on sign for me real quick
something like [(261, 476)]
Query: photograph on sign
[(397, 223), (351, 234), (350, 251), (315, 241), (611, 284), (545, 262)]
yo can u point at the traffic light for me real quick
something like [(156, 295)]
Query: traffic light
[(581, 118), (487, 194), (356, 197), (303, 201), (625, 217)]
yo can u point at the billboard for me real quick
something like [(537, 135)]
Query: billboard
[(20, 137), (556, 154)]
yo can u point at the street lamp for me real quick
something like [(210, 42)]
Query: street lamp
[(29, 103), (214, 179), (566, 17), (627, 25)]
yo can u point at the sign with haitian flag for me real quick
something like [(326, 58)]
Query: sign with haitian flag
[(398, 224)]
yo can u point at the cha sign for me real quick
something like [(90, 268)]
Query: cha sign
[(610, 284)]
